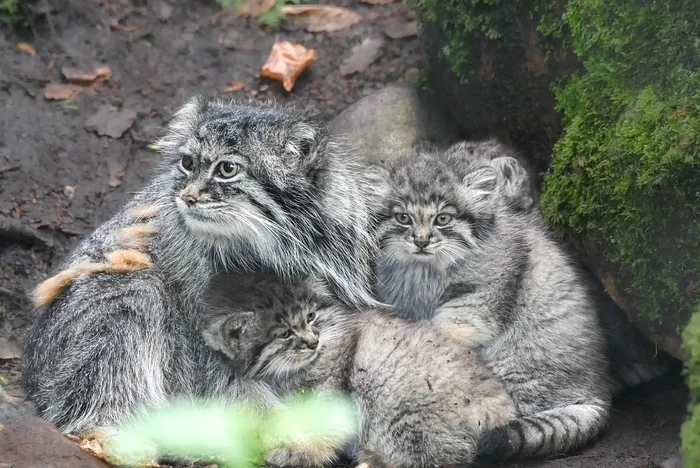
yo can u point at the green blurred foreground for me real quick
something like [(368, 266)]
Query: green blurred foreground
[(231, 435)]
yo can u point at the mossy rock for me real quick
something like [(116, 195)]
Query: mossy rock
[(613, 89), (624, 179), (690, 432), (492, 63)]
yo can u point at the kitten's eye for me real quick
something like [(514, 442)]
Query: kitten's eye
[(228, 169), (402, 218), (187, 162), (286, 334), (443, 219), (311, 317)]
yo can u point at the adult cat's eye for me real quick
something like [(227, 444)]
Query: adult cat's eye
[(228, 169), (443, 219), (311, 317), (187, 162), (402, 218)]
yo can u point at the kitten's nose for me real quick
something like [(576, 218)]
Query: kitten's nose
[(421, 243)]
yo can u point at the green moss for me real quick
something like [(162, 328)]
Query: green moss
[(626, 172), (11, 12), (690, 432), (465, 21)]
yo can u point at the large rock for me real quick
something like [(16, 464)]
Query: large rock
[(36, 443), (391, 122)]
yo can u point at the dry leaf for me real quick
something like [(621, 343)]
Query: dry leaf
[(26, 48), (232, 86), (110, 121), (286, 62), (362, 56), (320, 18), (61, 92), (87, 78), (116, 174), (93, 447), (255, 8), (378, 2)]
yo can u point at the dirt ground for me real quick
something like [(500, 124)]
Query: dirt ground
[(60, 179)]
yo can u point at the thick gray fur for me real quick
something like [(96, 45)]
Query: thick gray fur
[(112, 344), (424, 399), (494, 269)]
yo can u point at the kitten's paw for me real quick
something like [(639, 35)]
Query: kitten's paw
[(310, 456)]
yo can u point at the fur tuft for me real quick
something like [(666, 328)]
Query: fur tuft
[(137, 236)]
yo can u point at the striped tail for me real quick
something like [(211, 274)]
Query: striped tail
[(547, 433)]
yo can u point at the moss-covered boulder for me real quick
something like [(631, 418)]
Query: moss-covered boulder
[(617, 86), (624, 182), (492, 63), (690, 432)]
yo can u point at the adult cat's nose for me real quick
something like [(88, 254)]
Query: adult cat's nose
[(189, 199), (190, 195)]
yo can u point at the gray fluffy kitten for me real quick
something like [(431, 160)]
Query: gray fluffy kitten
[(458, 246), (240, 187), (424, 398)]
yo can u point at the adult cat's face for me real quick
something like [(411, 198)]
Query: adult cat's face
[(241, 171)]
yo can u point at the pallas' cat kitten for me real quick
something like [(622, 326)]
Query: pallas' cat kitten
[(462, 244), (424, 398)]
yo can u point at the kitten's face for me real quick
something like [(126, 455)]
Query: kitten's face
[(272, 332), (435, 211), (237, 167)]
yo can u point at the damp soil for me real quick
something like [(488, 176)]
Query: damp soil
[(59, 178)]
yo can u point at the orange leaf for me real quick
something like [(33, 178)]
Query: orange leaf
[(286, 62), (26, 48), (61, 92), (255, 8), (232, 86), (322, 17), (87, 78)]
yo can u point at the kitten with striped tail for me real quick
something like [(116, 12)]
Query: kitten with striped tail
[(424, 399), (460, 249)]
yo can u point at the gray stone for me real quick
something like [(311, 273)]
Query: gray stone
[(391, 122), (14, 409)]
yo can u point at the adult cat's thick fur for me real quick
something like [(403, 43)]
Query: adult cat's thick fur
[(240, 187), (456, 249), (424, 398)]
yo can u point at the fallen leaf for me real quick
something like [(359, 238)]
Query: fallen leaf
[(87, 78), (116, 174), (401, 30), (255, 8), (362, 56), (9, 349), (319, 18), (61, 92), (378, 2), (26, 48), (232, 86), (286, 62), (110, 121), (93, 447)]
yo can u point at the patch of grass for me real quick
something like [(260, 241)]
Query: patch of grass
[(271, 19), (11, 12)]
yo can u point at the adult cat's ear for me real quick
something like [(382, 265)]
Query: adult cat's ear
[(515, 183), (182, 124), (305, 140)]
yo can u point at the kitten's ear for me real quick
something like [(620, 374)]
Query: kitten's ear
[(514, 183), (378, 180), (213, 333), (305, 141), (480, 182), (182, 124)]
